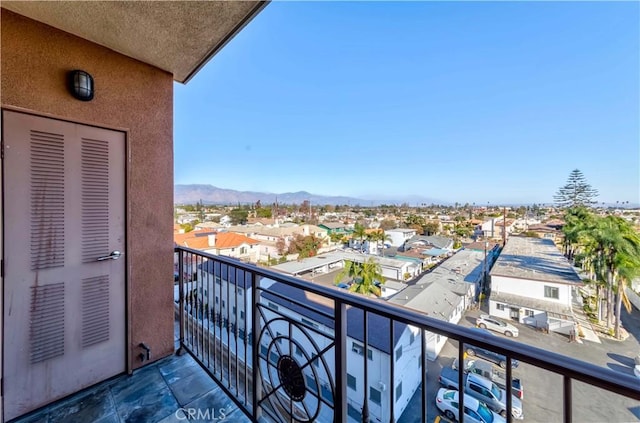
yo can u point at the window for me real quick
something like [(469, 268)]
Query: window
[(375, 396), (315, 360), (243, 250), (272, 306), (279, 337), (299, 351), (223, 305), (351, 382), (309, 323), (359, 349), (217, 300), (500, 306), (398, 391), (234, 310), (437, 338), (419, 362), (233, 249), (412, 338), (528, 313), (551, 292), (240, 291), (241, 314), (399, 353)]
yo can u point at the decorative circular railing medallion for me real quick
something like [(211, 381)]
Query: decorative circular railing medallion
[(296, 380), (291, 378)]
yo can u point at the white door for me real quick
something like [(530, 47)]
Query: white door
[(64, 281)]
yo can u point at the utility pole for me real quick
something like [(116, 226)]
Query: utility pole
[(504, 226)]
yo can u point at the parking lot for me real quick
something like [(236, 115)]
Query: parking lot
[(542, 389)]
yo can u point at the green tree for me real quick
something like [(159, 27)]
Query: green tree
[(363, 277), (576, 192), (238, 216), (359, 232), (265, 212), (431, 227), (609, 248)]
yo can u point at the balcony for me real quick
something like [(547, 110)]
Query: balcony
[(255, 345)]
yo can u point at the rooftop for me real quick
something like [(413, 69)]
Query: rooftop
[(534, 259)]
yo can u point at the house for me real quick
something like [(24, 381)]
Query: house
[(334, 228), (533, 283), (445, 292), (432, 241), (546, 231), (221, 244), (400, 235), (87, 118)]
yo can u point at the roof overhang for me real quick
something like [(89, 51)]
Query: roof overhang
[(176, 36)]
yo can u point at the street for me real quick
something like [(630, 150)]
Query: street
[(542, 389)]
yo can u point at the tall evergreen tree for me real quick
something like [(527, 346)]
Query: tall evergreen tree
[(576, 192)]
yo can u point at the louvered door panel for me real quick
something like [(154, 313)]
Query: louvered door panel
[(47, 199), (47, 322), (64, 326), (95, 310), (95, 199)]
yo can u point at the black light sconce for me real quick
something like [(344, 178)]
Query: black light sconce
[(81, 85)]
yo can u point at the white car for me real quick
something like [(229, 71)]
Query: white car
[(488, 322), (474, 411)]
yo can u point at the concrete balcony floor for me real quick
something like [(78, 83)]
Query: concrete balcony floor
[(162, 392)]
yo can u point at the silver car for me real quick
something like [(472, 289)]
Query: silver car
[(488, 322)]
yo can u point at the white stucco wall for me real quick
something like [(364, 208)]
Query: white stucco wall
[(531, 288)]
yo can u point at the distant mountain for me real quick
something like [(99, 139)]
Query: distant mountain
[(209, 194)]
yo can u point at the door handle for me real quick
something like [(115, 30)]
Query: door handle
[(115, 255)]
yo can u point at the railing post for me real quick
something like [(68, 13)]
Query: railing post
[(181, 300), (340, 342), (255, 357), (567, 403), (509, 388), (365, 404), (392, 360), (461, 379)]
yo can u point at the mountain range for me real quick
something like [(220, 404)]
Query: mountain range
[(209, 194)]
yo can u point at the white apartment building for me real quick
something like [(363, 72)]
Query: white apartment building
[(533, 283), (400, 235)]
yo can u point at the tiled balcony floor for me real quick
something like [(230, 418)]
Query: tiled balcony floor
[(158, 393)]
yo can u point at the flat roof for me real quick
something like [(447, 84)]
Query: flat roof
[(536, 259)]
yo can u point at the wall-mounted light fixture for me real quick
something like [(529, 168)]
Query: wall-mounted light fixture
[(81, 85)]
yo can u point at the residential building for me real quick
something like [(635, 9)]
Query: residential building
[(533, 283), (334, 228), (221, 244), (400, 235), (445, 292)]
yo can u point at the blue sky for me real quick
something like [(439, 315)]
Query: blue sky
[(467, 102)]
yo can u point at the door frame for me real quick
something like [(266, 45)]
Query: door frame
[(127, 215)]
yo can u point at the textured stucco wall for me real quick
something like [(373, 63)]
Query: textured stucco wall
[(131, 96)]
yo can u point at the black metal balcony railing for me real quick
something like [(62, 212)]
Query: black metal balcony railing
[(279, 346)]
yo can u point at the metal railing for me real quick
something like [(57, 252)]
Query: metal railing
[(283, 348)]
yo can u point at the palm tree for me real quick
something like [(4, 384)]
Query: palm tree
[(366, 283), (350, 271), (363, 277), (360, 233), (378, 237), (614, 246), (628, 269)]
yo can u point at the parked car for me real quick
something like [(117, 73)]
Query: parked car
[(474, 411), (343, 286), (483, 390), (491, 356), (489, 322), (492, 372)]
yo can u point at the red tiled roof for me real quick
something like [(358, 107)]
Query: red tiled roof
[(230, 240)]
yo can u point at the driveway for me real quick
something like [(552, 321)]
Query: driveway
[(542, 389)]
